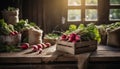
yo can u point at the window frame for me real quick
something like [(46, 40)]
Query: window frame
[(113, 6), (103, 12), (82, 7)]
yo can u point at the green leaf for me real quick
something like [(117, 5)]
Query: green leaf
[(81, 27), (72, 27)]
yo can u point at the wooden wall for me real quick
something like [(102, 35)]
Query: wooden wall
[(33, 10), (46, 13)]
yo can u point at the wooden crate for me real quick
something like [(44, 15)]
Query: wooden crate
[(76, 48)]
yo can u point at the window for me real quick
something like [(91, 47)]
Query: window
[(74, 2), (74, 15), (91, 14), (114, 2), (91, 2), (97, 11), (82, 10), (114, 11)]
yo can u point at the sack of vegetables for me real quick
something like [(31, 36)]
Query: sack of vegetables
[(113, 34), (8, 35), (11, 15)]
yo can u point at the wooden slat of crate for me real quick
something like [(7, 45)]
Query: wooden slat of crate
[(79, 47), (85, 44), (78, 44), (76, 51), (65, 49), (65, 43), (86, 49)]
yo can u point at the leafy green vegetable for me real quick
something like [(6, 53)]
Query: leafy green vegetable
[(89, 32), (11, 27), (51, 36), (94, 32), (4, 28), (72, 27), (81, 27), (23, 25), (8, 48), (11, 8)]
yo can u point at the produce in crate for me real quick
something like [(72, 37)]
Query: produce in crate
[(86, 33), (79, 40)]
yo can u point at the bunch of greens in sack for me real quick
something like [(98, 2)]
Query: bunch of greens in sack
[(7, 29), (23, 26), (113, 26)]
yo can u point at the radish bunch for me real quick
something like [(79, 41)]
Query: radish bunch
[(73, 37), (38, 47), (13, 33)]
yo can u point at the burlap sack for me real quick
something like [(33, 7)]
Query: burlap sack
[(35, 36), (103, 34), (10, 39), (113, 38), (11, 17)]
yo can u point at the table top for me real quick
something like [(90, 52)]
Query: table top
[(103, 53)]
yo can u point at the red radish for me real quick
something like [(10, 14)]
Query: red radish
[(70, 39), (12, 33), (77, 38), (35, 48), (67, 37), (72, 36), (15, 32), (40, 50), (24, 46), (39, 45), (74, 41), (63, 37), (48, 44), (43, 45)]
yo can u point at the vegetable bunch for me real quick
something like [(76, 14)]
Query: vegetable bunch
[(7, 29), (86, 32)]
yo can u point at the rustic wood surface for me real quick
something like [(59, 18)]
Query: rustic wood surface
[(50, 55), (47, 55), (105, 53)]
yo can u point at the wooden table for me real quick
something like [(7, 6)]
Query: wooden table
[(52, 59)]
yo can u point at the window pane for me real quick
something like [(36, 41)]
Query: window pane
[(74, 15), (74, 2), (91, 2), (114, 14), (91, 15), (115, 2)]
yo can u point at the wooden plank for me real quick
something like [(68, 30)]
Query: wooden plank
[(105, 53), (107, 48)]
